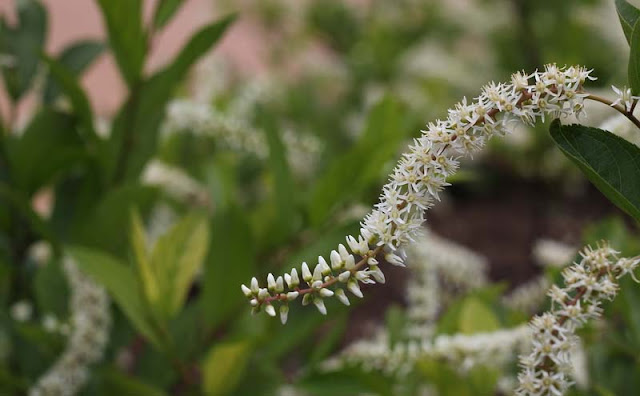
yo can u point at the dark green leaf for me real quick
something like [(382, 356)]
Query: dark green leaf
[(24, 43), (114, 382), (351, 173), (611, 163), (106, 223), (121, 283), (165, 11), (628, 15), (634, 60), (70, 86), (123, 19), (135, 130), (231, 258), (49, 146), (76, 58), (51, 290)]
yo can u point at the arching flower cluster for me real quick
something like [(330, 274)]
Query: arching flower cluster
[(418, 178), (589, 282), (90, 324)]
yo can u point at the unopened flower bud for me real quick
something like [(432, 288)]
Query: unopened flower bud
[(270, 310), (342, 297)]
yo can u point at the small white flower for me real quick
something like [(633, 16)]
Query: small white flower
[(624, 97)]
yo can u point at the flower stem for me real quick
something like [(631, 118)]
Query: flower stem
[(621, 109)]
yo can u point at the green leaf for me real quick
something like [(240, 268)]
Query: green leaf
[(76, 58), (114, 382), (123, 19), (24, 43), (224, 366), (143, 264), (135, 129), (51, 290), (611, 163), (283, 187), (176, 258), (628, 15), (476, 317), (121, 283), (76, 95), (351, 173), (105, 224), (165, 11), (231, 262), (49, 146), (634, 60)]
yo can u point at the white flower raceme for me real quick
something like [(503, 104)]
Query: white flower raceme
[(547, 369), (90, 324), (416, 181), (175, 182), (21, 311), (552, 253)]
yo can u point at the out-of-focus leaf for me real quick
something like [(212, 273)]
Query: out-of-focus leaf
[(330, 340), (123, 19), (76, 58), (346, 383), (224, 366), (143, 263), (114, 382), (634, 60), (121, 283), (356, 169), (49, 146), (476, 317), (396, 321), (176, 258), (107, 221), (165, 11), (51, 290), (628, 15), (69, 85), (135, 129), (611, 163), (231, 262), (24, 43)]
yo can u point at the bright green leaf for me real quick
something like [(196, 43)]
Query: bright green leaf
[(611, 163), (224, 366), (121, 283), (176, 258), (628, 15), (165, 11), (141, 258), (476, 316), (76, 58)]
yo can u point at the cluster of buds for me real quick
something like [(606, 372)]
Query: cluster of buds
[(90, 324), (422, 172), (327, 279), (589, 282)]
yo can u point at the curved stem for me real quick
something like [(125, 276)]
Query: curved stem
[(621, 109)]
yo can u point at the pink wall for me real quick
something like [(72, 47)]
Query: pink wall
[(70, 20)]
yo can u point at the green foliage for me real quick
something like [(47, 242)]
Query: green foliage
[(351, 173), (231, 262), (611, 163), (24, 43), (76, 58), (127, 39), (164, 12), (223, 367), (628, 16), (634, 60)]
